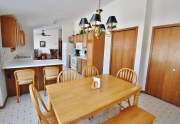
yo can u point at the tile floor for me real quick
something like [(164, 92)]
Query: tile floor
[(24, 112)]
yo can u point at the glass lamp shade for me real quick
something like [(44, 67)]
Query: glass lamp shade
[(102, 27), (111, 21), (95, 19), (83, 23)]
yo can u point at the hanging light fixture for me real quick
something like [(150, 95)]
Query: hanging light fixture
[(96, 24), (83, 24), (111, 23)]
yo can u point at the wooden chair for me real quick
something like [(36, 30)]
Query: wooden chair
[(47, 117), (132, 115), (68, 75), (128, 75), (23, 77), (90, 71), (50, 73)]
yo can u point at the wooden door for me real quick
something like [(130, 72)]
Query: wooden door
[(123, 49), (164, 69)]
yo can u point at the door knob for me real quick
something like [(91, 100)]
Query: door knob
[(173, 69)]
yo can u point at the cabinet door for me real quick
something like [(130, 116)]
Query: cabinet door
[(84, 64), (21, 38), (9, 31), (85, 38), (79, 65)]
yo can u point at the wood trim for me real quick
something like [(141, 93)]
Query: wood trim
[(166, 26), (151, 47), (4, 104), (124, 29)]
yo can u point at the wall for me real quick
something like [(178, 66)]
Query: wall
[(67, 30), (129, 14), (51, 41), (3, 93), (164, 12)]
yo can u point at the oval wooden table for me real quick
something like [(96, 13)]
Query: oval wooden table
[(75, 100)]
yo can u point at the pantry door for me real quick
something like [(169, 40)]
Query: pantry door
[(123, 49), (164, 68)]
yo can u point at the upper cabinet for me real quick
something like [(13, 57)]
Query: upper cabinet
[(12, 35), (95, 49), (21, 38)]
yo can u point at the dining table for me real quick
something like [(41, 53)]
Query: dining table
[(76, 99)]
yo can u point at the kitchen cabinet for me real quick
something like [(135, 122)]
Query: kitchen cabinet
[(83, 64), (84, 40), (21, 38), (95, 49), (71, 38), (79, 65), (12, 35), (9, 31)]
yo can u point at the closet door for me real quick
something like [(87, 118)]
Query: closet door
[(171, 86), (158, 63), (123, 49), (164, 69)]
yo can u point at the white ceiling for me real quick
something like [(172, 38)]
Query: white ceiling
[(36, 13)]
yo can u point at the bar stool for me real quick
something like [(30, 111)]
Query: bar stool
[(50, 73), (23, 77)]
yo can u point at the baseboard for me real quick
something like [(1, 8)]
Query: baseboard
[(142, 91), (1, 107)]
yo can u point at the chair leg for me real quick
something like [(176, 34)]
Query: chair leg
[(17, 92), (129, 103), (121, 107), (44, 87)]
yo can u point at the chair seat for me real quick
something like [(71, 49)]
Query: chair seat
[(132, 115), (51, 118), (25, 82)]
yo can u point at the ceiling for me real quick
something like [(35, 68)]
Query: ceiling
[(36, 13)]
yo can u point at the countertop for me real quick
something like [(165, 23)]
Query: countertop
[(24, 63), (82, 57)]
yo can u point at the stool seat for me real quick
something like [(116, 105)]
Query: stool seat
[(132, 115)]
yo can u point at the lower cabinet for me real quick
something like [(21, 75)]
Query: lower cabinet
[(11, 84), (81, 63)]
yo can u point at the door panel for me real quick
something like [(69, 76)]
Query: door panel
[(158, 62), (171, 87), (123, 49), (164, 69)]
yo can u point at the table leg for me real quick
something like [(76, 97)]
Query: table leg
[(136, 98), (49, 104)]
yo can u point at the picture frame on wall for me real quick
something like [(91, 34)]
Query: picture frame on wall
[(42, 43)]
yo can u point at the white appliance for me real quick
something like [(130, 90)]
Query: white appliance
[(74, 62), (79, 46), (83, 53)]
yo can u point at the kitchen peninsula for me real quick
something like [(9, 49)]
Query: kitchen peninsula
[(37, 65)]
